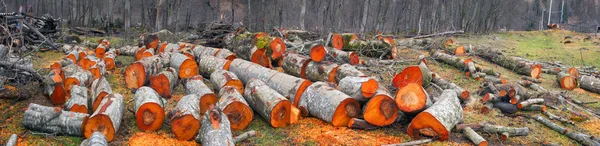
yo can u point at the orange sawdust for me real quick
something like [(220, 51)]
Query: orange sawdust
[(592, 126), (324, 133), (581, 91), (142, 138)]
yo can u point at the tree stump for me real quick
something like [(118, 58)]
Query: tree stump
[(208, 65), (215, 129), (438, 119), (78, 101), (412, 99), (347, 70), (185, 66), (195, 85), (106, 119), (326, 103), (149, 109), (221, 78), (164, 82), (269, 104), (100, 88), (233, 104), (185, 121), (53, 120), (323, 71)]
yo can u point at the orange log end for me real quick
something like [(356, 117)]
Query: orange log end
[(160, 83), (185, 127), (369, 87), (318, 53), (260, 57), (381, 110), (135, 75), (188, 68), (79, 108), (460, 50), (411, 98), (354, 59), (411, 74), (346, 110), (150, 117), (206, 101), (337, 41), (568, 83), (59, 94), (99, 123), (239, 115), (427, 124), (277, 47), (536, 70)]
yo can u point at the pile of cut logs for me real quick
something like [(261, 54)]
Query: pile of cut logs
[(282, 78)]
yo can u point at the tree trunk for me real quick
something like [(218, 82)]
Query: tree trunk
[(340, 56), (164, 82), (381, 109), (461, 93), (185, 122), (149, 109), (53, 120), (221, 78), (78, 100), (341, 40), (419, 74), (356, 123), (359, 88), (529, 102), (209, 64), (438, 119), (97, 139), (566, 81), (347, 70), (474, 137), (137, 74), (159, 15), (107, 119), (215, 129), (195, 85), (412, 99), (54, 87), (100, 88), (269, 104), (326, 103), (295, 64), (129, 50), (185, 66), (80, 78), (323, 71), (233, 104), (590, 83), (518, 66)]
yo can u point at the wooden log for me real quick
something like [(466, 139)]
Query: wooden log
[(137, 74), (185, 121), (243, 46), (566, 81), (151, 41), (438, 119), (109, 59), (442, 56), (347, 70), (412, 99), (100, 51), (506, 108), (195, 85), (269, 104), (581, 138), (221, 78), (474, 137), (225, 54), (359, 88), (411, 143), (535, 107), (531, 79), (513, 131), (61, 63), (139, 52), (323, 71), (555, 117), (244, 136), (504, 136), (208, 65), (315, 50), (338, 41), (487, 107), (495, 80), (293, 34), (529, 102), (333, 106), (491, 98), (516, 65), (381, 109), (145, 53), (185, 66), (78, 100), (168, 47), (98, 69), (295, 64), (233, 104), (149, 109), (53, 120), (100, 88), (419, 74), (97, 139), (455, 49), (274, 45), (80, 78), (54, 87), (164, 82), (107, 119), (12, 141), (356, 123), (461, 93), (589, 83), (128, 50), (215, 129), (341, 56)]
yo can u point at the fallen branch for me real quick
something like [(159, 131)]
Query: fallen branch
[(439, 34), (416, 142), (244, 136)]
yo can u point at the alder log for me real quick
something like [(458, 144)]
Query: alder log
[(209, 64), (195, 85), (314, 50), (100, 88), (269, 104), (149, 109), (97, 139), (80, 78), (512, 131), (164, 82), (233, 104), (215, 129), (78, 100), (326, 103), (347, 70), (137, 74), (359, 88), (54, 87), (474, 137), (461, 93), (185, 121), (589, 83), (506, 108), (321, 71), (185, 66), (107, 119), (221, 78), (529, 102), (419, 74), (566, 81), (412, 99), (510, 63), (341, 56), (381, 109), (438, 119), (53, 120), (295, 64)]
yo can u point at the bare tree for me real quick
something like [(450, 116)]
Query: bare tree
[(159, 12)]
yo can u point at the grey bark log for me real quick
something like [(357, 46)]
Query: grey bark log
[(220, 78), (210, 135), (590, 83), (79, 96), (447, 111), (264, 99), (97, 139), (321, 71), (294, 64), (53, 120), (353, 87), (229, 95), (12, 141), (321, 100), (208, 64), (474, 137), (347, 70)]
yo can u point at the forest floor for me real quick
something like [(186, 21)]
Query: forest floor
[(539, 45)]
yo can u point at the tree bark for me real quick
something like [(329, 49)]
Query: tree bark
[(529, 102), (53, 120), (97, 139), (195, 85), (513, 131), (137, 74), (295, 64), (461, 93), (555, 117), (323, 71), (222, 78), (269, 104), (506, 108), (215, 129), (185, 121), (209, 64), (356, 123), (80, 78), (347, 70), (438, 119), (12, 141), (518, 66), (149, 109), (107, 119), (244, 136), (164, 82), (359, 88), (328, 104), (184, 65), (99, 89), (589, 83), (109, 59), (233, 104), (78, 100)]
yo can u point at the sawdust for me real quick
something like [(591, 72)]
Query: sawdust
[(142, 138), (592, 126), (325, 134)]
